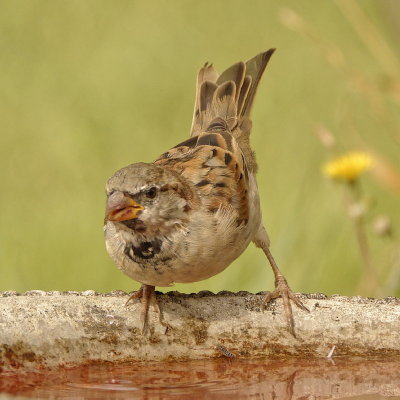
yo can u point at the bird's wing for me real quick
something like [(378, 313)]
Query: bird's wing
[(214, 164)]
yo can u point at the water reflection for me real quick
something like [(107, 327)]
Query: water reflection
[(214, 379)]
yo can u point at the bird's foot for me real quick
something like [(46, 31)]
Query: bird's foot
[(283, 290), (147, 295)]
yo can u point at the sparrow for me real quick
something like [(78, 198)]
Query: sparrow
[(186, 216)]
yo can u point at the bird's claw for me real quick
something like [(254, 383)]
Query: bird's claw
[(147, 296), (283, 290)]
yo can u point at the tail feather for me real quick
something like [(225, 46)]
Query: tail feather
[(224, 104), (228, 97), (244, 92), (236, 74), (206, 95), (205, 87), (255, 68), (217, 107)]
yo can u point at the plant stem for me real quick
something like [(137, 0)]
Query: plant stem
[(369, 279)]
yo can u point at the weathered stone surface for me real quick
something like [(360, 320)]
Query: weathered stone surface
[(56, 328)]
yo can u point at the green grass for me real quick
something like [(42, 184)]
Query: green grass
[(90, 86)]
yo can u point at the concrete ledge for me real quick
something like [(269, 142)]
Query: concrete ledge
[(68, 328)]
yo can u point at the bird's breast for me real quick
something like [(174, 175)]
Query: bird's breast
[(200, 250)]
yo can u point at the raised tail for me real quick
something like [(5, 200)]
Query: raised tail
[(224, 102)]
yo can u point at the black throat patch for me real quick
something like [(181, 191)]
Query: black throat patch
[(144, 250)]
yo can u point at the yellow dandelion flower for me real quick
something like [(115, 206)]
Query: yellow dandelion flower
[(348, 167)]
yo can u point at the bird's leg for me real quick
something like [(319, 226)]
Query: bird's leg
[(282, 288), (156, 305), (147, 296)]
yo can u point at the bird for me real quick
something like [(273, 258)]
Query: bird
[(189, 214)]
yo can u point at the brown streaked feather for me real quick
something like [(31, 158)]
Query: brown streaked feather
[(216, 103), (218, 125), (206, 73), (223, 105), (213, 163), (224, 102), (243, 94), (217, 159), (235, 73), (255, 68), (207, 90)]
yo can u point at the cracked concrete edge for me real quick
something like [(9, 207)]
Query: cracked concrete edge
[(70, 328)]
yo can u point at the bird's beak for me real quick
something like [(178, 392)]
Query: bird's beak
[(122, 208)]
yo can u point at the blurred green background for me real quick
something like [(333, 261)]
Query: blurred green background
[(88, 87)]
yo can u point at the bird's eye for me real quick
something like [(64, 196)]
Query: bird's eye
[(151, 193)]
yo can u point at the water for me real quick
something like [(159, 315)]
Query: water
[(225, 378)]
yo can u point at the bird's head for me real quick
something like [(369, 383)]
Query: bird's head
[(148, 199)]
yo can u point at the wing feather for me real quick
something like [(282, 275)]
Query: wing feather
[(214, 164), (217, 159)]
